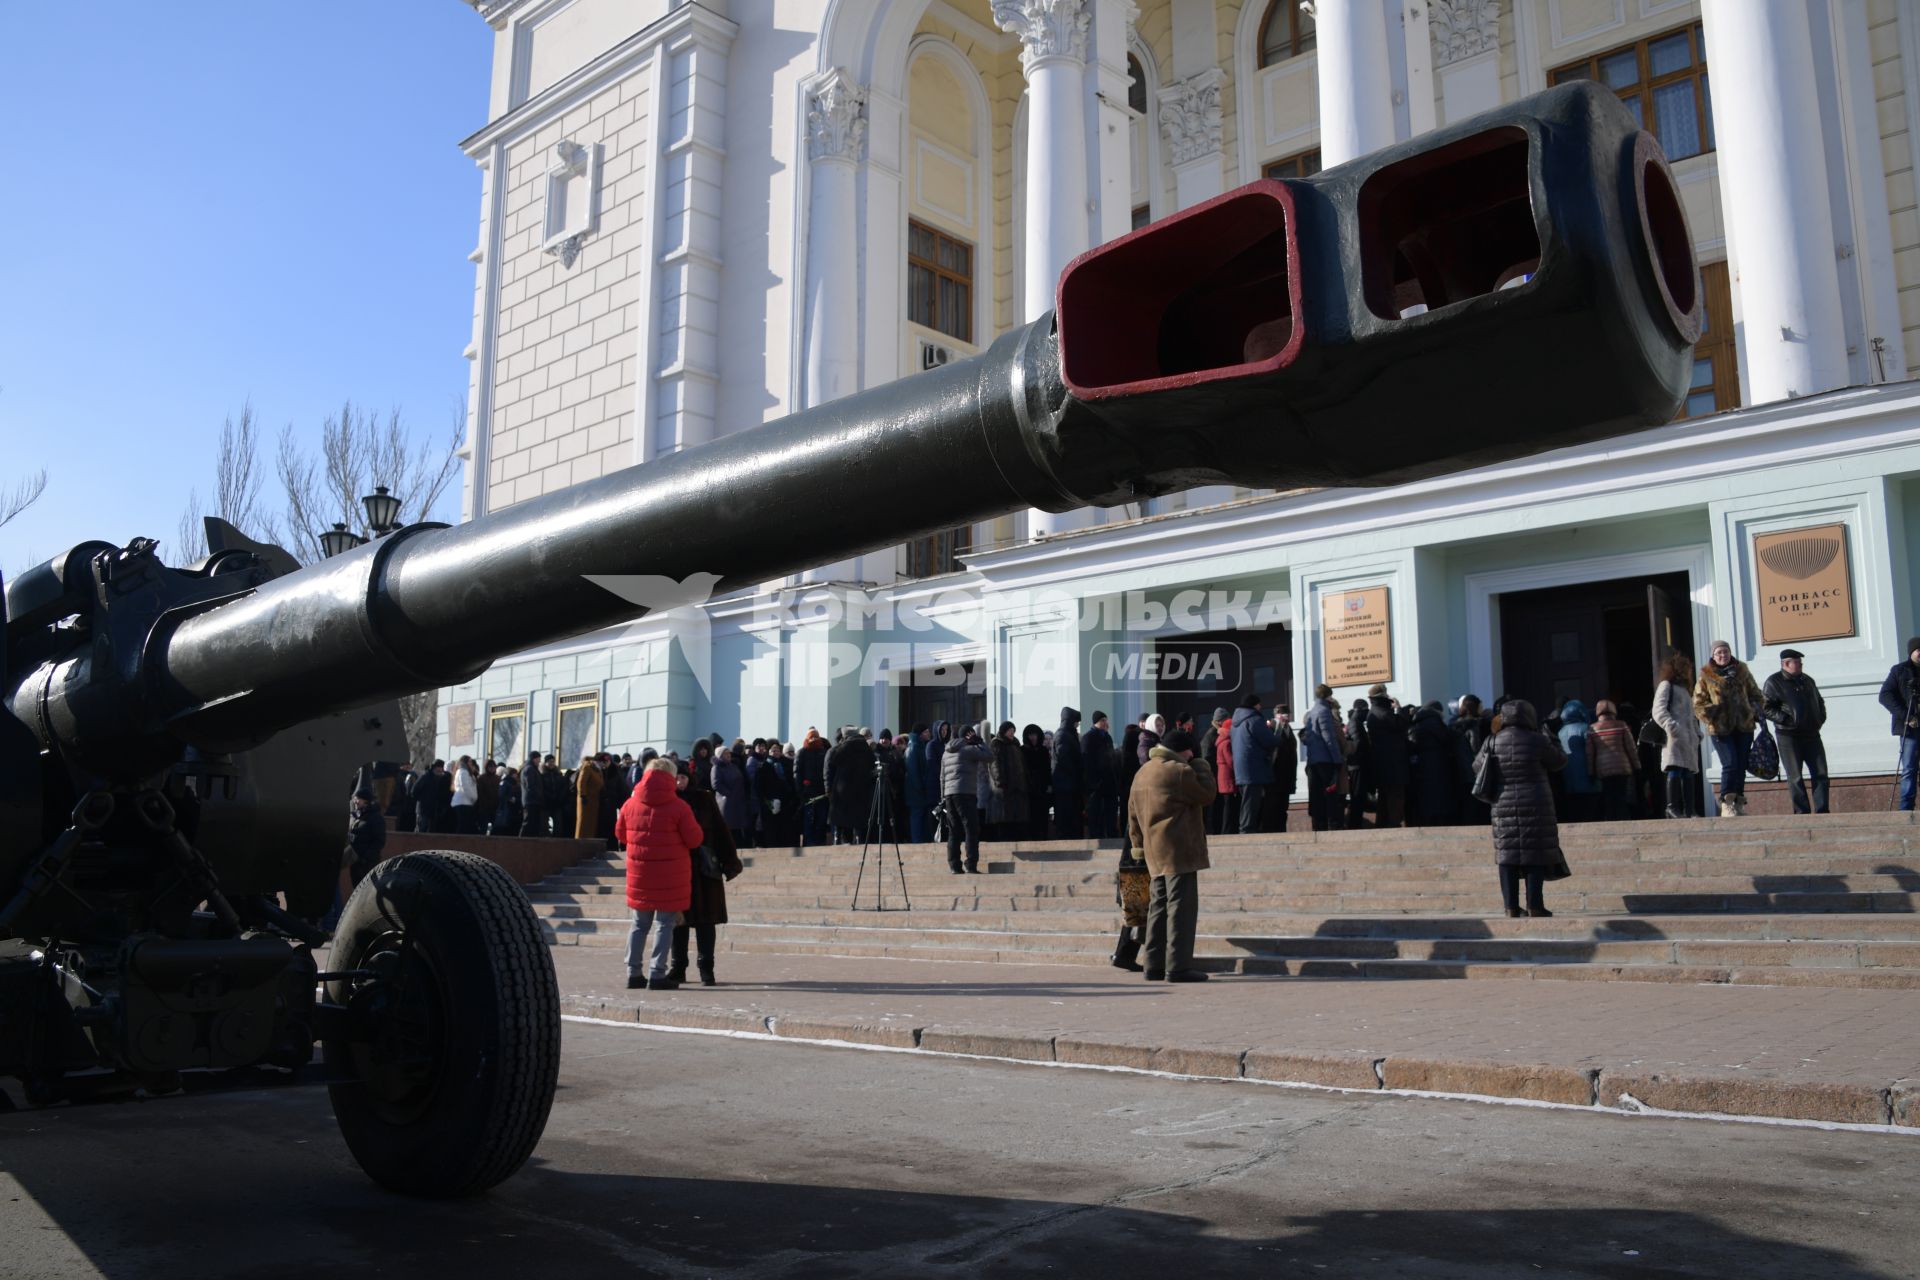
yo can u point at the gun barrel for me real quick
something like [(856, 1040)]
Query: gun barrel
[(432, 605), (1514, 283)]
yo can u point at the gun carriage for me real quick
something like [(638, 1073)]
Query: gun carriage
[(172, 737)]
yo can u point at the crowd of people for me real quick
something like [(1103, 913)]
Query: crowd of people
[(1164, 783), (1376, 763)]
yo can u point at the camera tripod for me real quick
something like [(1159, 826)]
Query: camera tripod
[(881, 827)]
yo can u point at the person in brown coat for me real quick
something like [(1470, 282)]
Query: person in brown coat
[(1167, 827), (586, 788), (1728, 703), (709, 907)]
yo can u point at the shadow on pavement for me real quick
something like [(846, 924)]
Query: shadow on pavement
[(136, 1200)]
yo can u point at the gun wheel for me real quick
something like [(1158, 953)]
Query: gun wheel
[(453, 1041)]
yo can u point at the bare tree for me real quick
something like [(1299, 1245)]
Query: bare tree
[(357, 452), (237, 482), (23, 495), (319, 490)]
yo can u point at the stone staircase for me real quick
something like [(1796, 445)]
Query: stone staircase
[(1758, 900)]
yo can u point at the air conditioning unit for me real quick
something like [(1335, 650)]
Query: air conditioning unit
[(933, 355)]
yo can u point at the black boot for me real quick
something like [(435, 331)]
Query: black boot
[(677, 972), (706, 971), (1126, 952)]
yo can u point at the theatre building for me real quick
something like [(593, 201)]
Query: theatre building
[(696, 218)]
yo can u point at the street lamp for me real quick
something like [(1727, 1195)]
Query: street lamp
[(383, 511), (339, 540)]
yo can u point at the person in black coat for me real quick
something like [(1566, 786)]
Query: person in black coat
[(400, 804), (533, 799), (1385, 763), (1069, 776), (1900, 695), (707, 908), (553, 790), (1440, 778), (1285, 758), (849, 778), (1039, 767), (1526, 831), (1359, 783), (1096, 761), (1792, 701), (433, 799)]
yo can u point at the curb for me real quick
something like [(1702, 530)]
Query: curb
[(1615, 1091)]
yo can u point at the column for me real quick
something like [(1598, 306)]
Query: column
[(1356, 79), (1773, 185), (836, 147), (1053, 41), (836, 143)]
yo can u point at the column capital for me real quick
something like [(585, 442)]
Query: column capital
[(1461, 29), (837, 118), (1190, 115), (1046, 28)]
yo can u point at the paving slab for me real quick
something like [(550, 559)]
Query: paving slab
[(1808, 1053)]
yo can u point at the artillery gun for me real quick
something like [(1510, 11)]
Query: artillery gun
[(172, 738)]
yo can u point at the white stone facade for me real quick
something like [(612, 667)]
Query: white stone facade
[(695, 219)]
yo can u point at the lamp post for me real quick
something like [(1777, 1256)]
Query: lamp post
[(383, 517), (339, 540), (383, 511)]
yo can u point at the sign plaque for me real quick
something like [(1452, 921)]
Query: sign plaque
[(1805, 582), (1356, 637), (460, 725)]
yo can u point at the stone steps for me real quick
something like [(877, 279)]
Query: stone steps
[(1101, 924), (1832, 962), (911, 947), (1562, 897), (1762, 900)]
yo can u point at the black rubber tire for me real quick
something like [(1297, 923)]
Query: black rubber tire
[(499, 1005)]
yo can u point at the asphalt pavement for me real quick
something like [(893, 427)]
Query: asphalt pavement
[(689, 1155)]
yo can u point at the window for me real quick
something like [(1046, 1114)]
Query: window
[(576, 732), (507, 730), (1142, 215), (1286, 32), (1716, 374), (939, 281), (1663, 81), (1136, 86), (1304, 165), (938, 553)]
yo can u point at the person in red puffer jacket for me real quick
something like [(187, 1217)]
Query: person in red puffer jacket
[(659, 833), (1226, 808)]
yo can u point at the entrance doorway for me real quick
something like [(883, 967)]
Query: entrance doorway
[(955, 692), (1265, 668), (1592, 640)]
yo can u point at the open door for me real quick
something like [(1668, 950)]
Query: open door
[(1660, 615)]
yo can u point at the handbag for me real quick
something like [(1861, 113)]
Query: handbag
[(1651, 734), (706, 864), (1763, 762), (1486, 775)]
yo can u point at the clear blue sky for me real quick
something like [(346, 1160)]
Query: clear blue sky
[(216, 202)]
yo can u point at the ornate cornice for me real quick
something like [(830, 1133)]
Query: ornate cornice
[(837, 118), (496, 12), (1462, 29), (1190, 115), (1046, 28)]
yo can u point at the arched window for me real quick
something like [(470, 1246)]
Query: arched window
[(1136, 86), (1286, 32)]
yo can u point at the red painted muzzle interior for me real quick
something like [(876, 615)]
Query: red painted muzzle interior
[(1447, 225), (1208, 294)]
